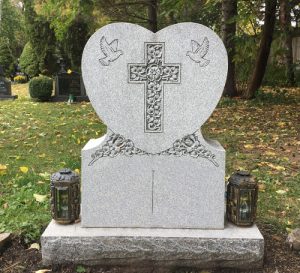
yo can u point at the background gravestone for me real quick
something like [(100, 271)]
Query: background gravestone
[(5, 87), (69, 83)]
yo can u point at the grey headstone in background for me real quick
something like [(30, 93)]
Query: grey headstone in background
[(154, 91), (5, 87), (67, 84)]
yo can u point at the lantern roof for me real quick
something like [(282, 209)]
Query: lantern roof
[(243, 179), (65, 175)]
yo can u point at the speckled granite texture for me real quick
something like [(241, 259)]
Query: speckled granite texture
[(232, 247)]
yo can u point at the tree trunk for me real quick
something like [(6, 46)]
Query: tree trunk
[(264, 49), (285, 21), (229, 12), (152, 15)]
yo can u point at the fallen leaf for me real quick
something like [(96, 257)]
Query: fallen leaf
[(45, 175), (3, 169), (249, 146), (34, 246), (277, 238), (261, 187), (42, 271), (276, 167), (281, 192), (24, 169), (281, 124), (269, 153), (39, 198), (77, 171)]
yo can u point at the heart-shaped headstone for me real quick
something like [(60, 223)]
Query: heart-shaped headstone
[(154, 88)]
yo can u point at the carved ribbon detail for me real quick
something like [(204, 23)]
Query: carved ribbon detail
[(189, 145)]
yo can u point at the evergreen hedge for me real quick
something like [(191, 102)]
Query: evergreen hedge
[(41, 88)]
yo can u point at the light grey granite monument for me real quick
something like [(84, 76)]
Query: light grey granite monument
[(153, 187)]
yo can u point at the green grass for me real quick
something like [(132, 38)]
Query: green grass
[(261, 136)]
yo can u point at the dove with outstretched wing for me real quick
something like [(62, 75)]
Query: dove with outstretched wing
[(110, 50), (199, 52)]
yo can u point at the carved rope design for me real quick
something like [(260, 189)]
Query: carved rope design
[(154, 74), (189, 145)]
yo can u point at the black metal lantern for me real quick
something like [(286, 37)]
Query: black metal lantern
[(65, 196), (242, 192)]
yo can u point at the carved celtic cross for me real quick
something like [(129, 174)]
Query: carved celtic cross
[(154, 73)]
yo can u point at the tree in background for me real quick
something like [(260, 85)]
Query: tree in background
[(140, 12), (6, 57), (41, 37), (75, 40), (229, 11), (286, 26), (12, 26), (29, 61), (264, 49), (72, 22)]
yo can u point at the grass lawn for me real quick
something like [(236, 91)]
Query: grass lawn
[(37, 139)]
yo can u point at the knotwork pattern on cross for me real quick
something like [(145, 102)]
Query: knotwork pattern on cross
[(154, 73)]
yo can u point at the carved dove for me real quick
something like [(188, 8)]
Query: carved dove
[(199, 52), (110, 51)]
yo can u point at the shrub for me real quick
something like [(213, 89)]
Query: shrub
[(29, 61), (41, 88), (20, 79)]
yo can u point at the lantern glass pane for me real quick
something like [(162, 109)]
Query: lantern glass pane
[(62, 199), (245, 205)]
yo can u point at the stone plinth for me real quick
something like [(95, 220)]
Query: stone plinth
[(233, 247), (8, 97)]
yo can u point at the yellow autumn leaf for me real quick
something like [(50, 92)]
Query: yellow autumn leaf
[(69, 71), (34, 246), (77, 171), (39, 198), (42, 155), (269, 153), (262, 187), (276, 167), (281, 192), (45, 175), (24, 169), (281, 124), (249, 146), (3, 169)]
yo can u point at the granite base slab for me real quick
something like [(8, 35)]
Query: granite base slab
[(8, 97), (66, 98), (233, 247)]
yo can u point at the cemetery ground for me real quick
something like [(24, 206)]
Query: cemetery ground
[(37, 139)]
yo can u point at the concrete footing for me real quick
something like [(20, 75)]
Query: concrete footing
[(233, 247)]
